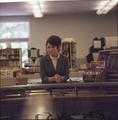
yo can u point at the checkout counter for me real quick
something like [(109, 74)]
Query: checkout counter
[(82, 101)]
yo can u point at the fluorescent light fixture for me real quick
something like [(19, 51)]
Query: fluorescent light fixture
[(7, 1), (35, 6), (107, 6)]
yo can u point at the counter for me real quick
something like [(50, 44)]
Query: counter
[(59, 100)]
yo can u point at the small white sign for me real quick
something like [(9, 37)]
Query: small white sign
[(97, 43)]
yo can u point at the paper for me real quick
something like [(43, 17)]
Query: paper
[(33, 53), (97, 43)]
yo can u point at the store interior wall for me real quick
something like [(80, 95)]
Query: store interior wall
[(82, 27)]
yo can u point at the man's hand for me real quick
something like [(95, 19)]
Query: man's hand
[(57, 78)]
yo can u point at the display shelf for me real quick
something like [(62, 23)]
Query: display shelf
[(34, 60), (34, 65), (10, 64), (69, 50), (111, 58), (11, 58)]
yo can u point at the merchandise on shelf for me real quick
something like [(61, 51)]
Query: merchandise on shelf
[(111, 58), (34, 60), (69, 50), (11, 58)]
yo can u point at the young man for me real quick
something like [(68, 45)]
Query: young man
[(54, 67)]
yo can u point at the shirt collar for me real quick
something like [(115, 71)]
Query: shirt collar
[(53, 58)]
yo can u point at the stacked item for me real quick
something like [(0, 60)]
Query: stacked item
[(7, 77), (76, 76), (93, 76)]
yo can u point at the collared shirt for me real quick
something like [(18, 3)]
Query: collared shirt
[(54, 60)]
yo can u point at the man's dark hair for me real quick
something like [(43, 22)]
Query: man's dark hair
[(54, 41)]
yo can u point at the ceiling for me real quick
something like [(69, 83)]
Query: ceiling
[(50, 7)]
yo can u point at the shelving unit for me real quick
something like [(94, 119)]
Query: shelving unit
[(10, 58), (34, 65), (10, 63), (69, 50), (111, 59), (34, 60)]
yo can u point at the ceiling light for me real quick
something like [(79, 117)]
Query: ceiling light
[(7, 1), (35, 6), (106, 7)]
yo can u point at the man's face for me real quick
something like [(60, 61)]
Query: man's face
[(52, 50)]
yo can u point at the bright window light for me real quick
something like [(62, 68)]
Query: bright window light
[(14, 30)]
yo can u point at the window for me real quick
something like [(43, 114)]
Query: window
[(24, 46), (15, 35), (14, 30), (3, 45)]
